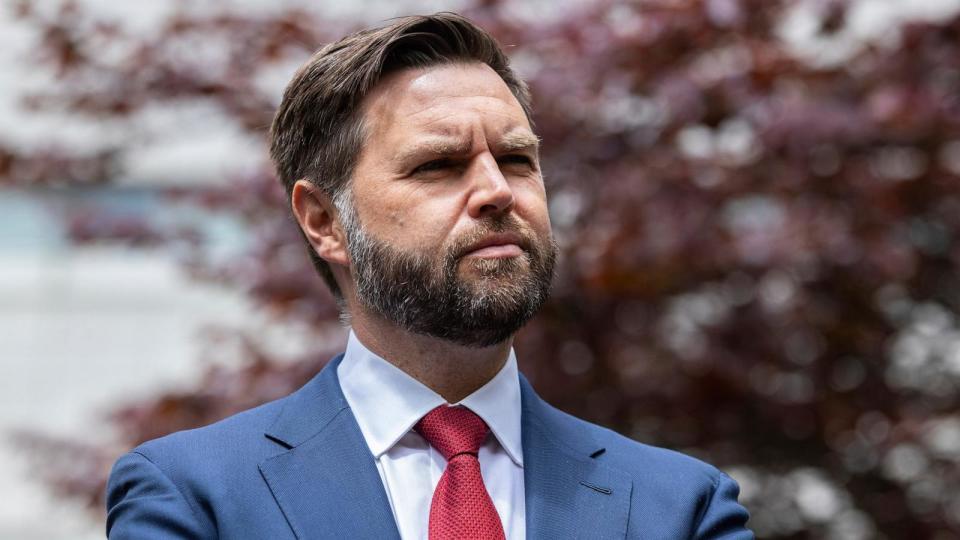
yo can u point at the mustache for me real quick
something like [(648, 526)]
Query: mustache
[(500, 224)]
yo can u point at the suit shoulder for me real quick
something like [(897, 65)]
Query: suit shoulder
[(632, 450), (688, 496), (643, 460), (216, 439), (248, 437)]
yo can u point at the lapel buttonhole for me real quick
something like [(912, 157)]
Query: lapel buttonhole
[(605, 491)]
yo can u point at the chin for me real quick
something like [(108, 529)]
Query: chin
[(500, 267)]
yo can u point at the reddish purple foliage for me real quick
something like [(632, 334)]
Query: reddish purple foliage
[(760, 258)]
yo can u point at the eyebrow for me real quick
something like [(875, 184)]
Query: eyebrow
[(452, 146), (518, 140), (441, 146)]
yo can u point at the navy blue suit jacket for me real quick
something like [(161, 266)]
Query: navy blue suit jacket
[(299, 468)]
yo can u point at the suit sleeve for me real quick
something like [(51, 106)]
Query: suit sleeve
[(144, 504), (724, 518)]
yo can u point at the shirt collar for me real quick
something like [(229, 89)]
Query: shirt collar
[(387, 402)]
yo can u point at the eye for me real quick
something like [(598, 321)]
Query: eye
[(515, 159), (434, 165)]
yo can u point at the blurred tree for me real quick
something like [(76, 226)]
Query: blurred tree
[(759, 236)]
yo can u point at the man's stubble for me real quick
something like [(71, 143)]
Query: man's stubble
[(424, 293)]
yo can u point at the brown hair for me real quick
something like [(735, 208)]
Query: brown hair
[(318, 130)]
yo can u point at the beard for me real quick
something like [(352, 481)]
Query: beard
[(424, 293)]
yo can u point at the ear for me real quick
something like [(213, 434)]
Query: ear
[(317, 218)]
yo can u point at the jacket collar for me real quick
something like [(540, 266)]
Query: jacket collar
[(327, 479), (326, 483), (307, 411), (569, 493)]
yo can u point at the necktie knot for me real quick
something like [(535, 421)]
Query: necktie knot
[(461, 506), (453, 430)]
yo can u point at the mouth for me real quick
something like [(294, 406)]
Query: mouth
[(496, 246)]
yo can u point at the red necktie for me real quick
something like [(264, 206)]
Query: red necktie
[(461, 508)]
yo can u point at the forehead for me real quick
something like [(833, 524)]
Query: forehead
[(449, 99)]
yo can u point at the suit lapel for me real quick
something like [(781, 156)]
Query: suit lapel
[(326, 483), (568, 493)]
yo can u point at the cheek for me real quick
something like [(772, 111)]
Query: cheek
[(532, 206), (395, 217), (410, 219), (381, 207)]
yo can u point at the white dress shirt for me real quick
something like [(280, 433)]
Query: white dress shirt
[(388, 403)]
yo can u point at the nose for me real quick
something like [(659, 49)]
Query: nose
[(491, 193)]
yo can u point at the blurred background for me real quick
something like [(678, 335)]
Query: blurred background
[(757, 201)]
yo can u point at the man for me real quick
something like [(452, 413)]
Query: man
[(414, 175)]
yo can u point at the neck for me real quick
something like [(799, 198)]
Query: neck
[(451, 370)]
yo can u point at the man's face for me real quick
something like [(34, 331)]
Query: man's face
[(447, 226)]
